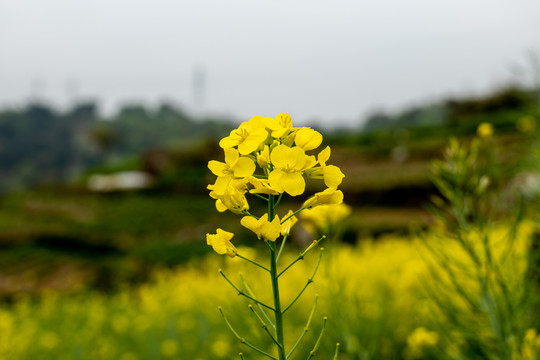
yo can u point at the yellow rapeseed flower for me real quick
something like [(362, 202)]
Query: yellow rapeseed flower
[(263, 228), (284, 127), (235, 166), (261, 186), (308, 139), (249, 136), (331, 174), (289, 163), (330, 196), (221, 242), (232, 198)]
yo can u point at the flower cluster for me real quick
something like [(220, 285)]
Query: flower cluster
[(268, 157)]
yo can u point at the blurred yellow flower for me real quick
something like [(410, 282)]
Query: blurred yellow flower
[(321, 217), (49, 340), (419, 340), (526, 124), (221, 242), (485, 130), (220, 347), (169, 348)]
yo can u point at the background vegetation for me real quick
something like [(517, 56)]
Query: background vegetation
[(124, 274)]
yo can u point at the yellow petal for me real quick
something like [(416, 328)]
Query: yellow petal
[(232, 140), (310, 162), (244, 167), (271, 230), (216, 167), (308, 139), (287, 225), (221, 184), (293, 183), (250, 223), (274, 179), (284, 120), (324, 156), (292, 159), (231, 156), (220, 206), (332, 176), (253, 141), (261, 186), (221, 243), (330, 196)]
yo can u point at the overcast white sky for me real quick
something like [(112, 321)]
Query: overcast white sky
[(328, 60)]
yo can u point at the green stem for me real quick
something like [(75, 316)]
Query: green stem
[(252, 294), (309, 281), (242, 340), (290, 216), (259, 196), (281, 246), (306, 328), (264, 325), (253, 262), (303, 253), (313, 352), (243, 293), (245, 212), (275, 287), (337, 352), (278, 200), (277, 303)]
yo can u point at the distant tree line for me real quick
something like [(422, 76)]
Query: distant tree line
[(41, 145), (456, 111)]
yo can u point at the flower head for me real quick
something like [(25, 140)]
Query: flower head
[(289, 163), (221, 242), (249, 136), (234, 167), (331, 174), (233, 198), (284, 127)]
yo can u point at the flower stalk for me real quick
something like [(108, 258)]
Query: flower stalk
[(268, 158)]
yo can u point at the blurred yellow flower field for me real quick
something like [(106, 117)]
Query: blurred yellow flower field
[(372, 294)]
